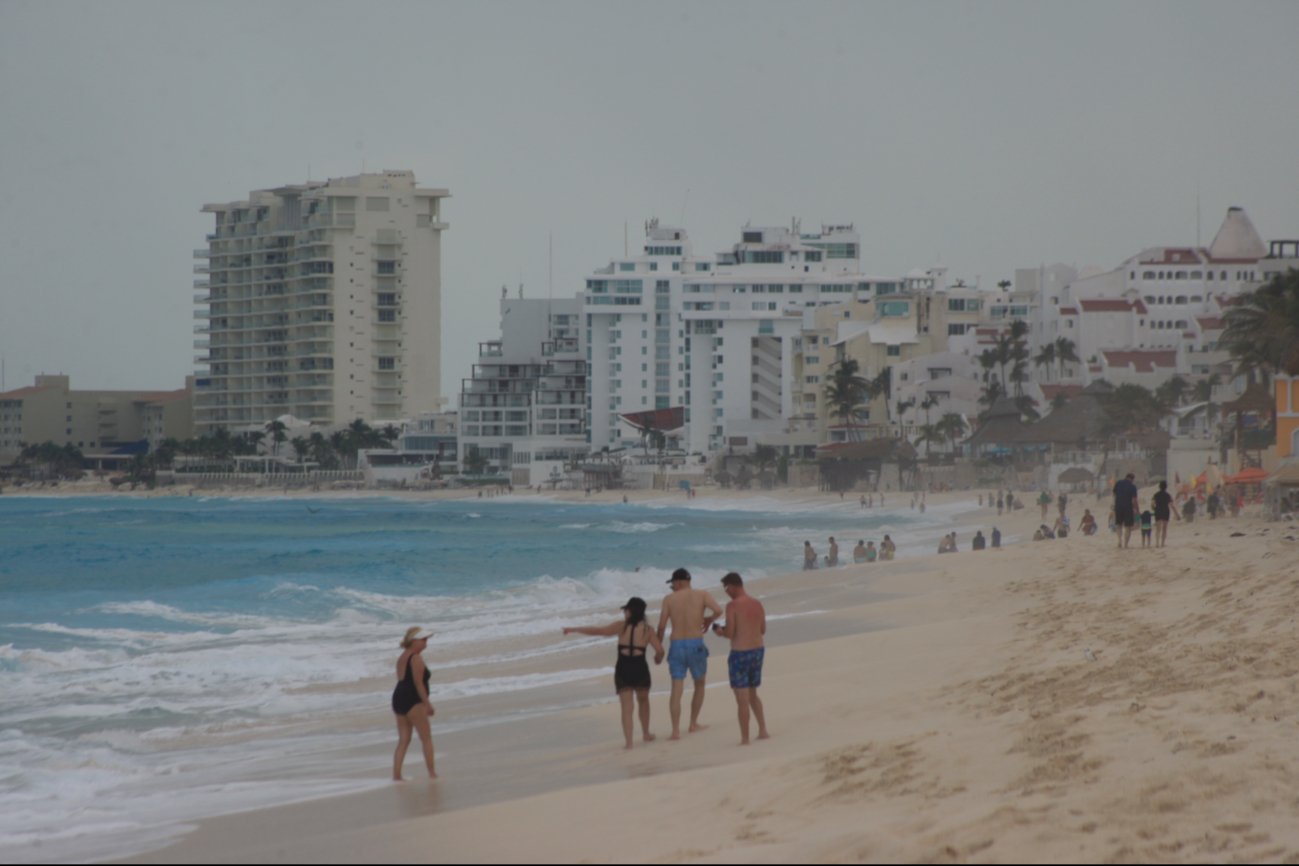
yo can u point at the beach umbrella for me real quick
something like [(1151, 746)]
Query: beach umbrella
[(1247, 476)]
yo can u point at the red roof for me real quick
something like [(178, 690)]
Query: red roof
[(1112, 305), (1175, 256), (1068, 311), (657, 419), (1210, 323), (1142, 362), (19, 394), (1050, 392)]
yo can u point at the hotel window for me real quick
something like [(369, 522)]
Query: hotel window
[(895, 351), (1147, 275), (387, 363)]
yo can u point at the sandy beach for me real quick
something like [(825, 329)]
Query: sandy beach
[(1048, 702)]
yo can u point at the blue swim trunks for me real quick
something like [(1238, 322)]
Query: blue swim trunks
[(688, 654), (746, 668)]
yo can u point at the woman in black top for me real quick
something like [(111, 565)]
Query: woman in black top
[(410, 703), (631, 674)]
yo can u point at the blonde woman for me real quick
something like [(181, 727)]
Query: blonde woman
[(410, 702)]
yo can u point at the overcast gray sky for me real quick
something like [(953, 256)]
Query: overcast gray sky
[(989, 136)]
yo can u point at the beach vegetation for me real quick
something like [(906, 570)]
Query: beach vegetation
[(846, 392), (475, 461)]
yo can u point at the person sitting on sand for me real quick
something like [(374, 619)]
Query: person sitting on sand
[(871, 552), (1088, 523), (859, 552), (832, 558), (746, 625), (410, 702), (688, 610), (1061, 528), (979, 542), (631, 673), (809, 556)]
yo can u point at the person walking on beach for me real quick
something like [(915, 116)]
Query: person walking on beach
[(1001, 504), (996, 537), (689, 612), (746, 624), (1163, 506), (832, 558), (631, 673), (410, 703), (1125, 508), (809, 556)]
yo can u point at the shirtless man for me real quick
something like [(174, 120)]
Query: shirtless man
[(689, 612), (746, 623)]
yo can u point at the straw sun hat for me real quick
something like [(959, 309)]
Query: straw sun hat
[(413, 634)]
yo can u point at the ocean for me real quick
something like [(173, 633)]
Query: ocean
[(169, 659)]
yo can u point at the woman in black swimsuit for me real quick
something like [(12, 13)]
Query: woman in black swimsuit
[(631, 675), (410, 702)]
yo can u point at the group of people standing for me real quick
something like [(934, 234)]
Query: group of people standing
[(691, 613)]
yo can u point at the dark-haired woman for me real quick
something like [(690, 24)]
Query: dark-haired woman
[(631, 675)]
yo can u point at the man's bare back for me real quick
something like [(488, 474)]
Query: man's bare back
[(686, 609)]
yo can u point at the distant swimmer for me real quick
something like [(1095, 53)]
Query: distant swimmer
[(410, 701), (887, 549), (631, 674), (691, 612), (745, 628), (311, 510), (809, 556), (871, 552), (832, 558), (859, 552)]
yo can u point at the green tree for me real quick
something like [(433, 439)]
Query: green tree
[(475, 461), (846, 392), (301, 448), (951, 427), (278, 431), (1045, 356), (1261, 328), (1066, 352)]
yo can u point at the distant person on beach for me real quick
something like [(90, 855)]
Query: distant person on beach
[(809, 556), (688, 610), (1061, 527), (887, 549), (996, 537), (1188, 510), (1001, 504), (832, 558), (863, 502), (410, 702), (1125, 507), (1044, 502), (871, 553), (1088, 523), (1162, 502), (631, 673), (1063, 502), (746, 624), (859, 552), (979, 542)]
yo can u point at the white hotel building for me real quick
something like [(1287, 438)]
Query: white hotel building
[(719, 338), (322, 301)]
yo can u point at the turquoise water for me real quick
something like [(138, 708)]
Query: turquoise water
[(141, 640)]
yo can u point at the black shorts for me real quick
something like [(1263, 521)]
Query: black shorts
[(631, 672), (1125, 517)]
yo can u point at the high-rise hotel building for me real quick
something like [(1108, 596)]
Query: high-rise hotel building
[(323, 301)]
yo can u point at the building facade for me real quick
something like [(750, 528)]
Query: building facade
[(523, 409), (322, 301), (99, 423)]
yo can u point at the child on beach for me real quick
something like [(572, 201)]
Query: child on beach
[(1147, 527), (871, 552)]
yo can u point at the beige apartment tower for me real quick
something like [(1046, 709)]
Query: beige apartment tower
[(323, 301)]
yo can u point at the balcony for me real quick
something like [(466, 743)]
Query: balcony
[(201, 284), (202, 253)]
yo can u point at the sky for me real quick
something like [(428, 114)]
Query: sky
[(982, 136)]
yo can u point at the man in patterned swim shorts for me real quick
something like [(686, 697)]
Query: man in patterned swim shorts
[(746, 624)]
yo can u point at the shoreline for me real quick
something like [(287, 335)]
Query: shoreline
[(953, 697)]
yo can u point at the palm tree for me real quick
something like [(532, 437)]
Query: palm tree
[(928, 403), (902, 407), (1066, 352), (1003, 284), (929, 433), (390, 433), (1045, 357), (1261, 328), (846, 391), (952, 427), (301, 447), (278, 433)]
